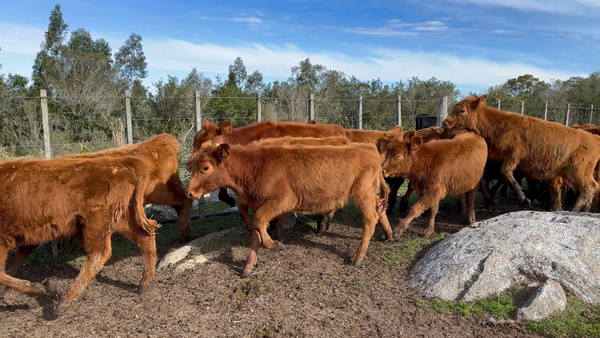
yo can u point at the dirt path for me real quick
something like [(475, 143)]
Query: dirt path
[(306, 290)]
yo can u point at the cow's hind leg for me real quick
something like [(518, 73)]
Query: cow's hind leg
[(470, 214), (367, 205), (555, 186), (15, 283), (587, 186), (147, 245), (425, 202), (433, 210), (395, 183), (98, 251), (405, 199)]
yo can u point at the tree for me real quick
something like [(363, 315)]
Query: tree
[(131, 61), (51, 46), (237, 72), (254, 83)]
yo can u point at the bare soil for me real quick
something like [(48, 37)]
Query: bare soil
[(307, 289)]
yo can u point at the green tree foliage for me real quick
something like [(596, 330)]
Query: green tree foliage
[(131, 61), (51, 46)]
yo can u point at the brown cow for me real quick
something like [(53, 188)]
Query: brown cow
[(277, 180), (436, 169), (257, 131), (89, 199), (543, 150), (590, 128)]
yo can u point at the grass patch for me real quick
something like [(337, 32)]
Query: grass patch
[(405, 251), (501, 307), (580, 319)]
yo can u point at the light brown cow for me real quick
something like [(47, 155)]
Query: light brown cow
[(89, 199), (436, 169), (276, 180), (543, 150)]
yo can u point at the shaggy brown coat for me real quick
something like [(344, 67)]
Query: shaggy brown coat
[(436, 169), (89, 199), (543, 150), (276, 180)]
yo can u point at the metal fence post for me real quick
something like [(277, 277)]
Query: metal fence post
[(442, 112), (567, 114), (399, 110), (591, 113), (522, 107), (311, 107), (128, 117), (359, 117), (47, 149), (546, 111), (258, 112), (197, 110), (498, 104)]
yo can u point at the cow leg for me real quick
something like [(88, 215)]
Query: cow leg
[(179, 201), (555, 186), (405, 199), (395, 184), (425, 202), (489, 200), (583, 180), (262, 216), (98, 251), (276, 225), (243, 211), (433, 210), (224, 196), (15, 283), (147, 245), (366, 203), (470, 214), (21, 254), (323, 222), (252, 254), (508, 167), (462, 200)]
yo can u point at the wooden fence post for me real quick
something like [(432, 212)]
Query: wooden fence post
[(311, 107), (546, 111), (128, 117), (47, 149), (359, 117), (498, 104), (399, 110), (567, 114), (197, 111), (258, 112), (522, 107), (442, 112), (591, 113)]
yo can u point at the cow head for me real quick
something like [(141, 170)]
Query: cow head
[(209, 131), (388, 137), (205, 165), (397, 156), (465, 114)]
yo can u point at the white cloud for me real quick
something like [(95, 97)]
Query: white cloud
[(19, 39), (505, 31), (394, 25), (259, 13), (249, 20), (573, 7), (378, 31), (387, 64), (430, 28)]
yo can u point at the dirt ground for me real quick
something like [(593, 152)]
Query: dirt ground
[(307, 289)]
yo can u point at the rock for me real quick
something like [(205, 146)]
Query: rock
[(514, 249), (546, 300), (177, 255), (160, 211), (197, 260)]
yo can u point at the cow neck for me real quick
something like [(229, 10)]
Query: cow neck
[(488, 121), (248, 134), (417, 165), (241, 167)]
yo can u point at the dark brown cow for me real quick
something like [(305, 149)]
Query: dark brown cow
[(276, 180), (89, 199), (543, 150), (257, 131), (590, 128), (436, 169)]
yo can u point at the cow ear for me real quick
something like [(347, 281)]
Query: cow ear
[(312, 122), (226, 128), (397, 129), (415, 143), (409, 135), (223, 152), (480, 102)]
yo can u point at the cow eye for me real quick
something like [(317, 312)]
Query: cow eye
[(205, 168), (399, 156)]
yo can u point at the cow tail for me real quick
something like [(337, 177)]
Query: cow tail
[(384, 191), (137, 202)]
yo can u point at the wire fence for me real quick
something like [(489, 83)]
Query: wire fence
[(88, 124)]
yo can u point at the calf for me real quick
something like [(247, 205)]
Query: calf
[(276, 180), (590, 128), (89, 199), (436, 169), (257, 131), (543, 150)]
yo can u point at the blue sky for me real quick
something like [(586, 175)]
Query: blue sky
[(473, 43)]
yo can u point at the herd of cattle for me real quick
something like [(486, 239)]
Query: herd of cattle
[(280, 167)]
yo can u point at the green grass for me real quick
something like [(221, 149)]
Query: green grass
[(501, 307), (579, 320), (403, 251)]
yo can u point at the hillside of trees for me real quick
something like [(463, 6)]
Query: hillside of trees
[(86, 82)]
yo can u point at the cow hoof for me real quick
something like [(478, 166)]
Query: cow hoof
[(60, 310), (428, 234), (38, 289), (357, 263), (142, 289), (280, 246), (526, 202), (247, 273), (3, 290)]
